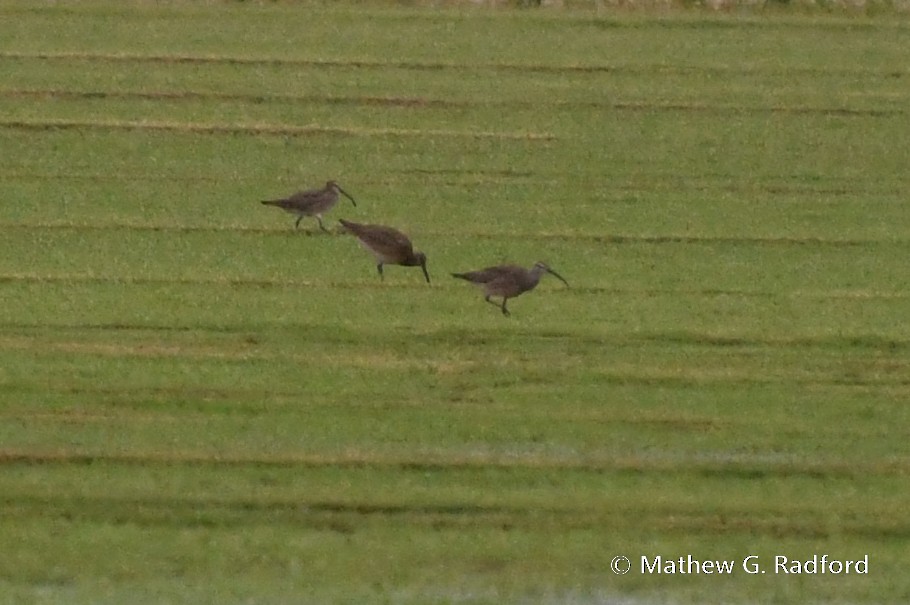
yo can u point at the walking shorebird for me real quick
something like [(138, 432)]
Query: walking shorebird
[(507, 281), (312, 202), (389, 246)]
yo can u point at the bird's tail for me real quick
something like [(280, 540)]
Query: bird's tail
[(349, 226), (272, 202)]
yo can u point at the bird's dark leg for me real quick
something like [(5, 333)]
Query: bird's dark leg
[(321, 226), (297, 224), (379, 268), (504, 310), (487, 298)]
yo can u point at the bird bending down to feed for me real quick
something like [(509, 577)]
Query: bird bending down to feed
[(507, 281), (313, 202), (389, 246)]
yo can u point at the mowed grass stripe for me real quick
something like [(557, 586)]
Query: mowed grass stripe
[(644, 68), (712, 360), (284, 130), (457, 178), (556, 236), (372, 284), (436, 103), (734, 464), (345, 516), (442, 177), (168, 95), (474, 336)]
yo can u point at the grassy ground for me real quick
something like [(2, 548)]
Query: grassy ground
[(199, 404)]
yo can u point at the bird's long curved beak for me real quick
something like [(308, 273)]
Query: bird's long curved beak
[(425, 274), (346, 194), (555, 274)]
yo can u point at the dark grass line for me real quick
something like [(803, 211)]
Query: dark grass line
[(130, 327), (134, 397), (782, 526), (662, 69), (871, 341), (267, 507), (389, 101), (471, 176), (758, 21), (368, 282), (614, 239), (732, 341), (120, 177), (252, 282), (459, 178), (346, 516), (229, 282), (459, 463), (690, 380), (700, 381), (429, 103), (249, 335), (740, 109), (340, 517), (293, 62), (284, 130)]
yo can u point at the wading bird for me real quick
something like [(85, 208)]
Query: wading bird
[(507, 281), (389, 246), (313, 202)]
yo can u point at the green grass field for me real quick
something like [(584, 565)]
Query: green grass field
[(199, 404)]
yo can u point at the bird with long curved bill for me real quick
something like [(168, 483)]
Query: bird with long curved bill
[(388, 246), (507, 281), (313, 202)]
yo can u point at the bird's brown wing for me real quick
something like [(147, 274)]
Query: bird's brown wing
[(386, 238), (303, 199), (490, 274), (380, 238)]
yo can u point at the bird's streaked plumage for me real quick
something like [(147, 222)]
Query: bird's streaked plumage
[(313, 202), (507, 281), (388, 246)]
